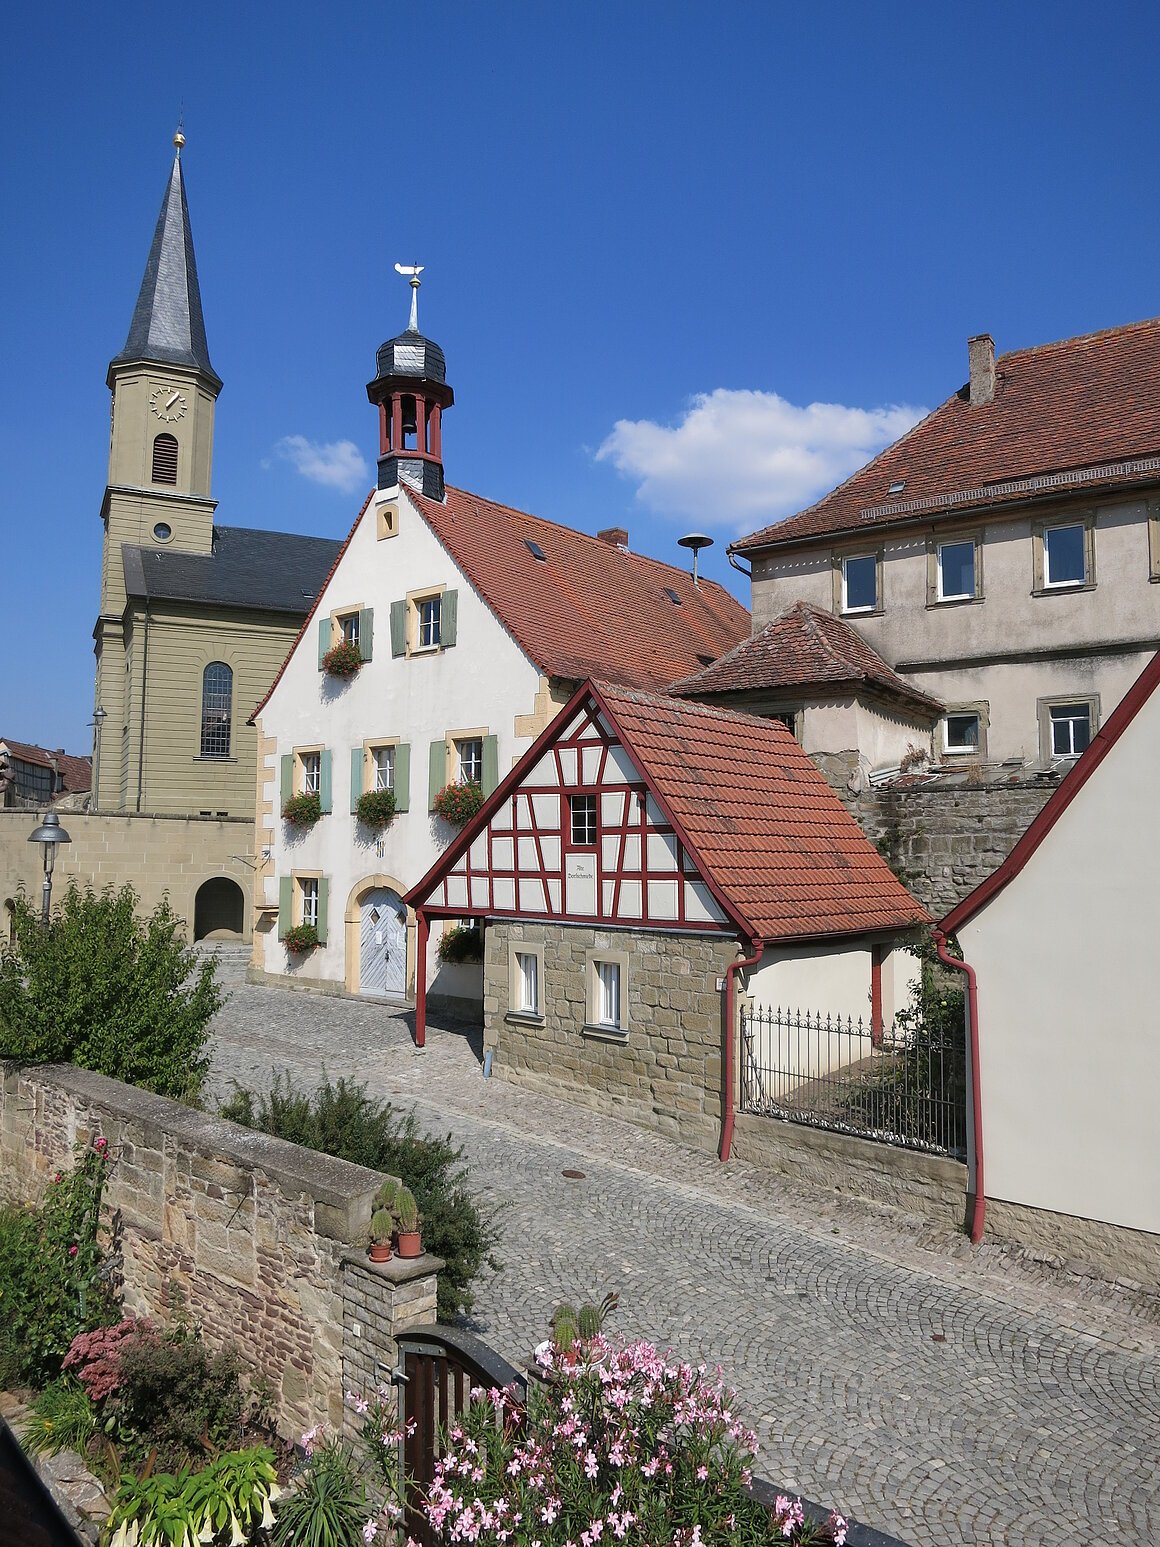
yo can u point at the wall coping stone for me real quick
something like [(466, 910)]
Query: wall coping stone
[(343, 1189), (397, 1270)]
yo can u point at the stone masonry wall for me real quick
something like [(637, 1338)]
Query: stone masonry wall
[(666, 1074), (254, 1235), (944, 841)]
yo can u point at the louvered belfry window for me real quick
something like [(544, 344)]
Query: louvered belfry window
[(217, 696), (165, 458)]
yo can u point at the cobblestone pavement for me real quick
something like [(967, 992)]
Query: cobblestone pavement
[(944, 1394)]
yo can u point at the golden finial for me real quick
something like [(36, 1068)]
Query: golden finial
[(179, 137)]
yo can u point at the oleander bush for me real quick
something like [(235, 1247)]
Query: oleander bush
[(107, 990), (343, 1119)]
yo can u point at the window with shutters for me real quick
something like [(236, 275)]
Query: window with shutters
[(217, 701), (311, 767), (346, 626), (424, 622), (382, 768), (308, 895), (381, 763), (164, 458), (427, 610), (469, 760)]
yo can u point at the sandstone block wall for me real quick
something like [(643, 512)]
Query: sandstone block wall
[(255, 1236), (943, 842), (666, 1074)]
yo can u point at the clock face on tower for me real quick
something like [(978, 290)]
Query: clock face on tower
[(168, 403)]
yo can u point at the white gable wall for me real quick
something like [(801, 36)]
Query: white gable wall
[(481, 683), (1065, 959)]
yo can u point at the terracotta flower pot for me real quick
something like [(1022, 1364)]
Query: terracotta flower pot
[(381, 1251), (410, 1243)]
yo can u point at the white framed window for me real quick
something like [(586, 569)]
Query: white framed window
[(311, 767), (383, 768), (582, 810), (527, 996), (469, 759), (1066, 726), (962, 734), (860, 583), (308, 899), (606, 1002), (428, 613), (956, 571), (1065, 555), (348, 628)]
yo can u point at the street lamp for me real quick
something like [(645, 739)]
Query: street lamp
[(99, 717), (49, 834)]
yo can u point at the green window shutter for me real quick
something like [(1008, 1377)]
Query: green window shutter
[(287, 777), (357, 761), (323, 905), (398, 628), (366, 632), (323, 639), (285, 905), (402, 776), (324, 795), (448, 616), (438, 772), (490, 763)]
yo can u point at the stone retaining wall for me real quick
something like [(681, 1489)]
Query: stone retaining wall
[(255, 1237)]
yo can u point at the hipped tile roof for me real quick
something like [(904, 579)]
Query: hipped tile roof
[(1082, 405), (804, 647), (76, 772), (760, 819), (588, 608)]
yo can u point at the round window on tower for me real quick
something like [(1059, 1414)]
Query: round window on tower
[(163, 531)]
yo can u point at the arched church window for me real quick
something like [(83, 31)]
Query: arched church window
[(217, 701), (165, 458)]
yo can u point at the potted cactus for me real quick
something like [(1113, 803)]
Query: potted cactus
[(382, 1224), (408, 1237)]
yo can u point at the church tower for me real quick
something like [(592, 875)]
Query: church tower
[(411, 391), (164, 391)]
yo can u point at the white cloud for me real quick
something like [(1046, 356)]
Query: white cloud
[(747, 459), (338, 464)]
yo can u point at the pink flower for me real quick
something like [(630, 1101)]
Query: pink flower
[(72, 1251), (101, 1145), (370, 1530)]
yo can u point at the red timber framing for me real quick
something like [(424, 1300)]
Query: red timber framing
[(582, 839)]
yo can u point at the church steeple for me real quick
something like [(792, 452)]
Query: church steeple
[(411, 391), (168, 327)]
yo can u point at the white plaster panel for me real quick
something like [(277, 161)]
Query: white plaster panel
[(554, 890), (602, 721), (504, 893), (568, 765), (609, 852), (662, 851), (580, 884), (607, 889), (589, 732), (501, 822), (460, 866), (457, 891), (701, 905), (480, 893), (551, 851), (503, 853), (547, 812), (656, 816), (620, 768), (528, 858), (632, 852), (531, 895), (612, 812), (590, 764), (630, 900), (479, 860), (662, 899), (544, 772)]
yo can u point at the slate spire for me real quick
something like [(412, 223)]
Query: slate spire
[(168, 326)]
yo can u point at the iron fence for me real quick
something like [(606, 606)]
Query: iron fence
[(903, 1085)]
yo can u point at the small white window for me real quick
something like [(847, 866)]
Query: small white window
[(528, 982), (469, 755), (956, 571), (1071, 729), (429, 611), (608, 993), (1064, 558), (583, 812), (309, 885), (383, 759), (348, 628), (961, 733), (860, 583), (311, 772)]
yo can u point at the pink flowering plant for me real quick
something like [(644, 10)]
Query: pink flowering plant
[(622, 1446)]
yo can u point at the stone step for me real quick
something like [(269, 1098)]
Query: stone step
[(233, 957)]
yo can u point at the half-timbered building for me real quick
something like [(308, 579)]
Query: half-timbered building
[(645, 861)]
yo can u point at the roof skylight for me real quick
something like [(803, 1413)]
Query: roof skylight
[(536, 551), (897, 486), (673, 597)]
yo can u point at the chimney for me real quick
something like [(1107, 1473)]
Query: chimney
[(616, 535), (981, 352)]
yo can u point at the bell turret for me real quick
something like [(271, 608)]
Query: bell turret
[(411, 391)]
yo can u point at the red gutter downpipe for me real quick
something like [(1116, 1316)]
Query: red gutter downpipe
[(421, 978), (742, 964), (975, 1156)]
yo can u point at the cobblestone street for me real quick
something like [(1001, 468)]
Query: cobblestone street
[(945, 1395)]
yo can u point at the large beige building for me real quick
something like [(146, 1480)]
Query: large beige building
[(1002, 558)]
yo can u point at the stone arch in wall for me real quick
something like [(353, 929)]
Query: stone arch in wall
[(352, 965), (219, 909)]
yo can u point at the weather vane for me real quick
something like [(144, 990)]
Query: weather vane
[(414, 270)]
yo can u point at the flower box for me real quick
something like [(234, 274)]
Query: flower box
[(300, 938), (376, 809), (342, 660), (458, 803), (302, 810)]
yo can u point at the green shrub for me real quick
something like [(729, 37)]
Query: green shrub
[(464, 943), (61, 1417), (343, 1119), (376, 809), (178, 1397), (227, 1501), (52, 1283), (328, 1508), (109, 991)]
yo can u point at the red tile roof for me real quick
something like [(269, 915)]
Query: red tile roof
[(760, 819), (804, 647), (588, 608), (76, 772), (1085, 406)]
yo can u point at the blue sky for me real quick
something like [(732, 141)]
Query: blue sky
[(690, 264)]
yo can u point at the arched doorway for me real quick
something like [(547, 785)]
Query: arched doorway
[(382, 946), (219, 908)]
